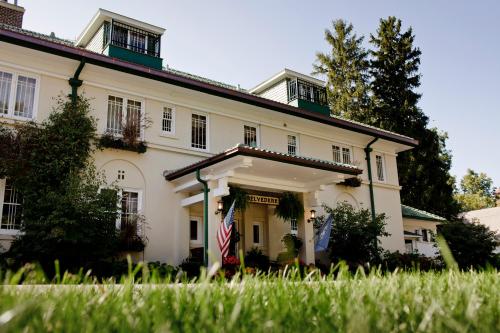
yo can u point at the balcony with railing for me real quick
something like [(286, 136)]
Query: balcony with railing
[(132, 44), (307, 95)]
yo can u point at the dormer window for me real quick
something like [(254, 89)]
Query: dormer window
[(296, 89), (300, 89), (135, 39), (124, 38)]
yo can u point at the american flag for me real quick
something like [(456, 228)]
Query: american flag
[(224, 232)]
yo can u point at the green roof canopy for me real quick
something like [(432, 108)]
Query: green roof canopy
[(418, 214)]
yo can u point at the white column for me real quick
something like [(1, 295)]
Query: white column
[(306, 233), (214, 220)]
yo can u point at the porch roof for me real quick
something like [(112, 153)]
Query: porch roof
[(414, 213), (243, 150)]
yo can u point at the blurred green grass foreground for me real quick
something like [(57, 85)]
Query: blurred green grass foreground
[(288, 301)]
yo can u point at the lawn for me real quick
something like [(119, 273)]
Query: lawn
[(450, 301)]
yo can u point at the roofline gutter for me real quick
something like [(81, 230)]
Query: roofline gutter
[(75, 82), (205, 215), (76, 53)]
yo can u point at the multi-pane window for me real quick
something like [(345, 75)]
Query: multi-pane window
[(133, 120), (380, 168), (129, 209), (5, 87), (337, 157), (118, 118), (115, 115), (11, 209), (199, 131), (167, 121), (294, 227), (17, 95), (25, 96), (341, 154), (292, 145), (250, 136), (346, 155)]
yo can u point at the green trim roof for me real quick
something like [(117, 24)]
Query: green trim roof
[(251, 99), (418, 214)]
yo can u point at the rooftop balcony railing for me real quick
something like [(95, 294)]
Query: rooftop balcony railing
[(131, 38), (299, 89)]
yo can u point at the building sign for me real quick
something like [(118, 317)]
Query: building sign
[(260, 199)]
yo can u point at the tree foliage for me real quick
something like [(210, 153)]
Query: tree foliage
[(354, 237), (394, 80), (471, 244), (424, 170), (65, 216), (476, 191), (346, 68)]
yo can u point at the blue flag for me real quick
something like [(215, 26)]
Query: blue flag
[(324, 235)]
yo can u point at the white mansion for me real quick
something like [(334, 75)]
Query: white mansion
[(205, 137)]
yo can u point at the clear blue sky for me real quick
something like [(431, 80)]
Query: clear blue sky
[(245, 42)]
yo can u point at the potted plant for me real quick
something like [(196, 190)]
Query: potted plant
[(351, 182), (289, 207)]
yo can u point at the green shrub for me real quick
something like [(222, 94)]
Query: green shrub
[(409, 261), (191, 267), (292, 243), (354, 237), (256, 259), (65, 215), (471, 244)]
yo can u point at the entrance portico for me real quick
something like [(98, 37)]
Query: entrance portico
[(257, 171)]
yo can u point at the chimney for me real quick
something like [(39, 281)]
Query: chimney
[(11, 13)]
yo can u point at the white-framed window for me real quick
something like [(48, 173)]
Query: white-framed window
[(122, 112), (257, 234), (129, 206), (426, 235), (11, 212), (292, 145), (250, 135), (294, 227), (18, 94), (379, 160), (199, 131), (168, 120), (409, 246), (195, 230), (341, 154)]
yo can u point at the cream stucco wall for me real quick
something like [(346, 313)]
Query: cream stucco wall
[(168, 227), (411, 225)]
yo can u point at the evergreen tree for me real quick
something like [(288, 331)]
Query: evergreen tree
[(346, 68), (424, 170)]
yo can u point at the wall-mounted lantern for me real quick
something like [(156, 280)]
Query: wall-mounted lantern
[(220, 207), (313, 216)]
